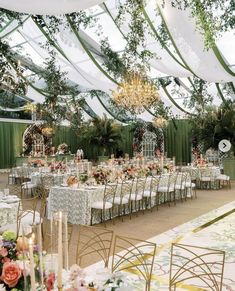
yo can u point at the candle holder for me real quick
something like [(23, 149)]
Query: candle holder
[(57, 258), (32, 246)]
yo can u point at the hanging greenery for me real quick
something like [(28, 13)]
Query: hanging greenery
[(55, 108)]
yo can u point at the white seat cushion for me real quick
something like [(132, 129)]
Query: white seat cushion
[(179, 187), (205, 179), (28, 185), (190, 185), (29, 218), (100, 205), (223, 177), (119, 200), (147, 193), (165, 189), (133, 197)]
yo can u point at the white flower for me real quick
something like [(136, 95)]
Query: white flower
[(2, 288), (24, 265)]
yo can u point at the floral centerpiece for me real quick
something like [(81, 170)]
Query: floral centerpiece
[(14, 265), (101, 175), (62, 149), (37, 162), (77, 280), (72, 180), (129, 172)]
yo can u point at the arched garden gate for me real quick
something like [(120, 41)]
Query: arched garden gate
[(148, 140)]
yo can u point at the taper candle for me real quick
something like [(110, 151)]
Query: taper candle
[(31, 258), (60, 250)]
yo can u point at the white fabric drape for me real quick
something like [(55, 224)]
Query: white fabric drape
[(48, 7), (190, 42)]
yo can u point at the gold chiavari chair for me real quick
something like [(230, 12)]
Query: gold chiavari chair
[(196, 267), (166, 188), (106, 203), (136, 196), (29, 213), (94, 241), (134, 255), (180, 186), (122, 199), (190, 185), (151, 192)]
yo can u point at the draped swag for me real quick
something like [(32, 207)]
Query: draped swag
[(177, 141)]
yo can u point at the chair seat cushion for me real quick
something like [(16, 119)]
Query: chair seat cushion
[(28, 185), (190, 185), (179, 187), (28, 218), (205, 179), (101, 205), (147, 193), (133, 197), (223, 177), (120, 201), (165, 189)]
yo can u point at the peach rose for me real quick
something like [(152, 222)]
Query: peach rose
[(11, 274)]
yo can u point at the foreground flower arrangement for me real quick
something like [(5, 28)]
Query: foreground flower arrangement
[(14, 263), (15, 271)]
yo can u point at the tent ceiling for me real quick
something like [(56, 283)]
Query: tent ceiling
[(45, 7), (80, 55)]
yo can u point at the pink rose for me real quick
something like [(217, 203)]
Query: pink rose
[(11, 274), (3, 252), (5, 260)]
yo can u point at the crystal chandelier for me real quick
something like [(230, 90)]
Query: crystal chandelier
[(160, 122), (135, 93)]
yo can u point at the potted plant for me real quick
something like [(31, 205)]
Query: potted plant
[(104, 134)]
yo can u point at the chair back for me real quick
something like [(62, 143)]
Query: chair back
[(29, 207), (130, 254), (110, 192), (140, 186), (93, 241), (196, 267), (126, 187)]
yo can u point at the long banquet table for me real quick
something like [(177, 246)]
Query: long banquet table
[(76, 202)]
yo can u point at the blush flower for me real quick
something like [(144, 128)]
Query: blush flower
[(11, 274), (3, 252)]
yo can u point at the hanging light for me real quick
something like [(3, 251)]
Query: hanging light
[(135, 92), (160, 122), (48, 131)]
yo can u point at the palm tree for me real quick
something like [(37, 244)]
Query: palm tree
[(104, 134)]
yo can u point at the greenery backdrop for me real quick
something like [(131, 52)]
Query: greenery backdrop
[(177, 141)]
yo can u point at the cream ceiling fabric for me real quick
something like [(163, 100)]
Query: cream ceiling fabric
[(47, 7)]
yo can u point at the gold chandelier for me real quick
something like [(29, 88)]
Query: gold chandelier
[(160, 122), (135, 93)]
